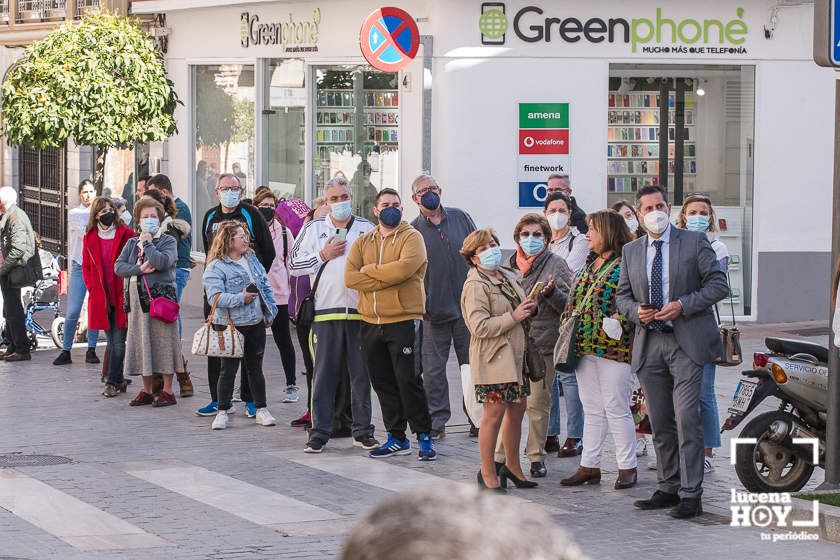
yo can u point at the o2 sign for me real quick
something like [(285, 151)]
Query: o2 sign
[(532, 194), (389, 39)]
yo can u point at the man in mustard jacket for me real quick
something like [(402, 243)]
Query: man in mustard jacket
[(387, 266)]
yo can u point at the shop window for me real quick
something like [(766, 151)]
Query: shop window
[(223, 129), (688, 129), (357, 121), (284, 154)]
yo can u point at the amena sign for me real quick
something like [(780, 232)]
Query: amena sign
[(659, 34), (294, 36)]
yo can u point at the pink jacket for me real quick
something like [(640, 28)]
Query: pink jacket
[(278, 275)]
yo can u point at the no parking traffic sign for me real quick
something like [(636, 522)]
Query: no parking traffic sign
[(389, 39)]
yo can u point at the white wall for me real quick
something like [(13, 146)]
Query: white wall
[(794, 151), (476, 123)]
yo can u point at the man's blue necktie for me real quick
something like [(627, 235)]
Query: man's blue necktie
[(657, 298)]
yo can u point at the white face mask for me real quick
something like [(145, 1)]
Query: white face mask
[(656, 221), (558, 220), (632, 223)]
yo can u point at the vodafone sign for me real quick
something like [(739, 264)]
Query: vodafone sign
[(550, 141)]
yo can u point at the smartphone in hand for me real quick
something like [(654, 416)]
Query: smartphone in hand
[(252, 289), (340, 235), (536, 290)]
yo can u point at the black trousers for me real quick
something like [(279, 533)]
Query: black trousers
[(252, 360), (389, 352), (283, 340), (214, 369), (15, 318), (303, 340)]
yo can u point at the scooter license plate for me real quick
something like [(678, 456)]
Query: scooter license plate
[(743, 395)]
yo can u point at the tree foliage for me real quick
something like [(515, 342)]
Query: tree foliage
[(99, 82)]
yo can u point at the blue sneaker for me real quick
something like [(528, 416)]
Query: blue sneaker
[(427, 448), (391, 447), (209, 410), (250, 409)]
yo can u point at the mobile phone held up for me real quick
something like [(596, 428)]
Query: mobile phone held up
[(340, 235), (649, 306), (536, 290), (252, 289)]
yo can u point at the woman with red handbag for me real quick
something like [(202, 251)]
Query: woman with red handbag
[(104, 241), (148, 263)]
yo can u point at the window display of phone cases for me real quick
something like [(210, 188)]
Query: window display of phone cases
[(633, 141)]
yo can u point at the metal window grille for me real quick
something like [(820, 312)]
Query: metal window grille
[(43, 194)]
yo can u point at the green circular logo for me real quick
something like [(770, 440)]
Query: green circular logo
[(493, 24)]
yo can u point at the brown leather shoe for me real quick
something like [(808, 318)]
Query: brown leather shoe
[(584, 475), (164, 399), (572, 447), (627, 478), (185, 384), (142, 398)]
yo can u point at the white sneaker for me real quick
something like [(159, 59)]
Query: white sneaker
[(641, 447), (708, 464), (264, 417), (651, 464), (291, 394), (220, 422)]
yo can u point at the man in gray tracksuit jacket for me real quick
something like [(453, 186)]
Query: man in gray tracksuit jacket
[(335, 332)]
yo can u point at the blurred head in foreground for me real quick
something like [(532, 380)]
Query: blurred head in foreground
[(457, 522)]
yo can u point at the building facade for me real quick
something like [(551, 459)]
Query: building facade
[(717, 97)]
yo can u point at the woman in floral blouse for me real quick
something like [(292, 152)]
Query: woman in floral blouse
[(604, 340)]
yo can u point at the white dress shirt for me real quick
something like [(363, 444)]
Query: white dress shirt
[(651, 253)]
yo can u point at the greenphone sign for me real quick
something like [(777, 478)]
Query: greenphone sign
[(660, 33)]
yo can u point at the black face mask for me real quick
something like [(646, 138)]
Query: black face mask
[(267, 213), (108, 219)]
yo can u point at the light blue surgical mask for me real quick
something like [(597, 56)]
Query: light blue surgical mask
[(341, 210), (149, 225), (531, 245), (491, 258), (229, 198), (697, 223)]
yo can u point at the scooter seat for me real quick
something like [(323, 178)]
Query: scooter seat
[(788, 347)]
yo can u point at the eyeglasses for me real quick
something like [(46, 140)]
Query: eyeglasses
[(434, 188), (270, 206), (698, 196), (226, 189)]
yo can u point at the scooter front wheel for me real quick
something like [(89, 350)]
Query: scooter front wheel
[(57, 332), (767, 466)]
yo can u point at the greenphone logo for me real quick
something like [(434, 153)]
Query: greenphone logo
[(648, 34)]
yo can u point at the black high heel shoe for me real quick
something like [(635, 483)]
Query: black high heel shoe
[(505, 474), (499, 490)]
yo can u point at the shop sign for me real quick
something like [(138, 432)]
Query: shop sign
[(294, 36), (543, 148), (660, 33), (389, 39)]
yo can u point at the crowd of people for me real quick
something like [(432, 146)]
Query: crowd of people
[(631, 292)]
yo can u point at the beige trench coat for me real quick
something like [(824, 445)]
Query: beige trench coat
[(497, 345)]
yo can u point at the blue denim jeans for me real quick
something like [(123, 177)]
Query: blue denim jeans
[(709, 409), (574, 408), (182, 276), (76, 293), (116, 351)]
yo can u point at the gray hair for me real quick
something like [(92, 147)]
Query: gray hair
[(337, 181), (424, 176), (557, 176), (457, 522), (8, 196), (227, 176)]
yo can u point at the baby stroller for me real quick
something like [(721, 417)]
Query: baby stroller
[(43, 296)]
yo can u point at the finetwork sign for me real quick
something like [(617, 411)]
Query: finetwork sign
[(543, 149), (657, 34)]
